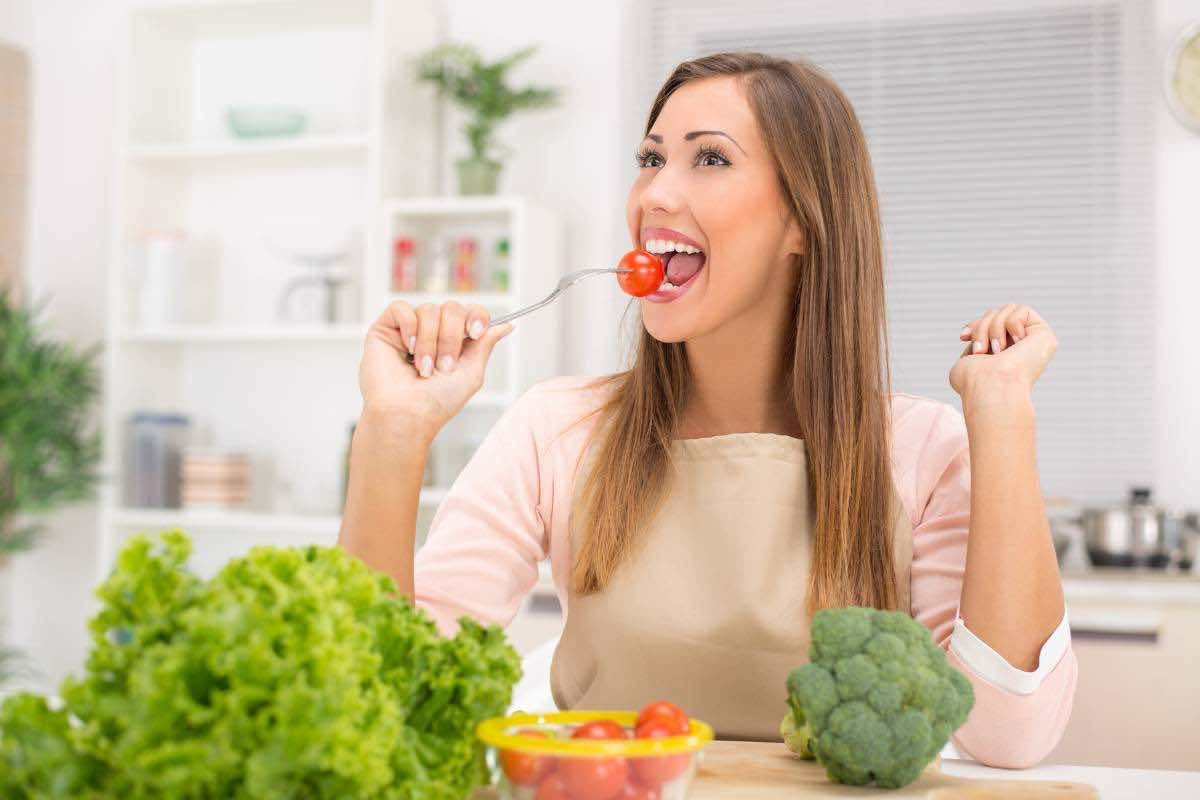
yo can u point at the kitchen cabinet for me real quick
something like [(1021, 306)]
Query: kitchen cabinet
[(1137, 704)]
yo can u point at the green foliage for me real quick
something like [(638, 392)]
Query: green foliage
[(481, 88), (294, 673), (877, 700), (47, 454)]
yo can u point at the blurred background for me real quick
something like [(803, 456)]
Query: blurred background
[(220, 196)]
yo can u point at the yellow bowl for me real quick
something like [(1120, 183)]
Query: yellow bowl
[(558, 767)]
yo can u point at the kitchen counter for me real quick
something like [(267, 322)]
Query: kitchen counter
[(1142, 586), (753, 770), (1112, 783)]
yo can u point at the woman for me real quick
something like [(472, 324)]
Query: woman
[(753, 465)]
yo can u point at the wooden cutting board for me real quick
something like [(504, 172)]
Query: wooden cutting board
[(763, 769)]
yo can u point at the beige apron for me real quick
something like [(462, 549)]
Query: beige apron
[(709, 611)]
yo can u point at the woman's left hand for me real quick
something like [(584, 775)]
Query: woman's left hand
[(1008, 346)]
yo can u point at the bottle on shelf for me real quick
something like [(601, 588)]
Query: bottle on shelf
[(404, 265), (500, 266), (437, 273), (155, 448), (464, 265)]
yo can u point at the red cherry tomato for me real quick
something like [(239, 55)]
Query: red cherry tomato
[(636, 791), (676, 719), (657, 770), (526, 769), (600, 729), (594, 778), (646, 275), (552, 788)]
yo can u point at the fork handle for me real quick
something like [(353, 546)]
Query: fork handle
[(564, 283)]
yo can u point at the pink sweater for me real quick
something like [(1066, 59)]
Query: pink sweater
[(508, 511)]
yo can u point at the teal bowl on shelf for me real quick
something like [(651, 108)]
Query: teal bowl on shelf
[(255, 122)]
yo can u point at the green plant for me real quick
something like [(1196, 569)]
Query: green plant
[(294, 672), (481, 88), (47, 454), (877, 700)]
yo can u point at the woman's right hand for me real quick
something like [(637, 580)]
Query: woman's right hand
[(451, 344)]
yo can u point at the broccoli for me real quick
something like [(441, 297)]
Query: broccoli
[(877, 701)]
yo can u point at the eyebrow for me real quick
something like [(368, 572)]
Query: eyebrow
[(654, 137)]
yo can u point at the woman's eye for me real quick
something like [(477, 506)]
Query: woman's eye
[(711, 158)]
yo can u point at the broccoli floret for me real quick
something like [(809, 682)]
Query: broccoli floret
[(877, 700)]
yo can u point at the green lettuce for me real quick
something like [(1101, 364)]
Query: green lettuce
[(293, 673)]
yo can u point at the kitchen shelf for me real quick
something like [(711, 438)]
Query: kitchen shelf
[(249, 521), (233, 334), (368, 168), (488, 299), (282, 146)]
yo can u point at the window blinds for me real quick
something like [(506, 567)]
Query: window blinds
[(1012, 153)]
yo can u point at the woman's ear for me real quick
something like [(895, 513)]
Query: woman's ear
[(795, 242)]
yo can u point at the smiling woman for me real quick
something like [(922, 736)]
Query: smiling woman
[(752, 466)]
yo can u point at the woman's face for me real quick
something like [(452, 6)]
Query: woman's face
[(706, 181)]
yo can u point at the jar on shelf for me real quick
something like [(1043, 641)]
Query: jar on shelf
[(214, 478), (404, 265), (436, 277), (156, 442), (160, 291), (500, 266), (464, 264)]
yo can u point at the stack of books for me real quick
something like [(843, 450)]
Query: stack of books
[(216, 479)]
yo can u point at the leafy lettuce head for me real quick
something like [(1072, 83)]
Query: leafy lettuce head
[(295, 672)]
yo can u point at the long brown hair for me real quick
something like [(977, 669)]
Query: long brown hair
[(837, 370)]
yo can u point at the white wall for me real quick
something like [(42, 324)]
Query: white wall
[(1178, 356), (71, 141), (576, 158), (573, 158)]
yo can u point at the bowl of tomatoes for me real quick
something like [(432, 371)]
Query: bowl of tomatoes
[(595, 755)]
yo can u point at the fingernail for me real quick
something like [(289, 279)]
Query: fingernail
[(1017, 338), (966, 331), (426, 366), (446, 363), (412, 344), (476, 329), (978, 346), (995, 345)]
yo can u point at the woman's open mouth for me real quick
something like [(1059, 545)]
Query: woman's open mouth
[(682, 258)]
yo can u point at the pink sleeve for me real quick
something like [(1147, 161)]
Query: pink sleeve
[(481, 556), (1006, 728)]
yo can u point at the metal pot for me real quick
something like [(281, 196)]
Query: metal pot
[(1133, 535)]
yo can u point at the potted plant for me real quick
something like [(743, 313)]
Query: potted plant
[(481, 89), (48, 456)]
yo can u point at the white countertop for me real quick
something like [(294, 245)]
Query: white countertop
[(1131, 586), (1110, 782)]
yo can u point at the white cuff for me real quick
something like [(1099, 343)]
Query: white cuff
[(976, 654)]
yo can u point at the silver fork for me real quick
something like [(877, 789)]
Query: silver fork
[(564, 283)]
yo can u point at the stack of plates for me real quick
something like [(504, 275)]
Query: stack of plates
[(215, 479)]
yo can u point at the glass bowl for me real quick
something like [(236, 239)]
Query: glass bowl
[(252, 122), (549, 765)]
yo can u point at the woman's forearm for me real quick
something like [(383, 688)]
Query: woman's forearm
[(1012, 592), (387, 461)]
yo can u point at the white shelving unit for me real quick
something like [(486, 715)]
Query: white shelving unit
[(286, 392)]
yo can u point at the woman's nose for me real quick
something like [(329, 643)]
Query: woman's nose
[(662, 194)]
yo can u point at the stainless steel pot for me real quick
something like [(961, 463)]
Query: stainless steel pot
[(1132, 535)]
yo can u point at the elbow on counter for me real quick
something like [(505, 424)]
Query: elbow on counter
[(1012, 730)]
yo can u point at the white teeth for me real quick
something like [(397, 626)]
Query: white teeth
[(660, 246)]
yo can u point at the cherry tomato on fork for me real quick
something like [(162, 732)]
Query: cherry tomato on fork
[(646, 273)]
